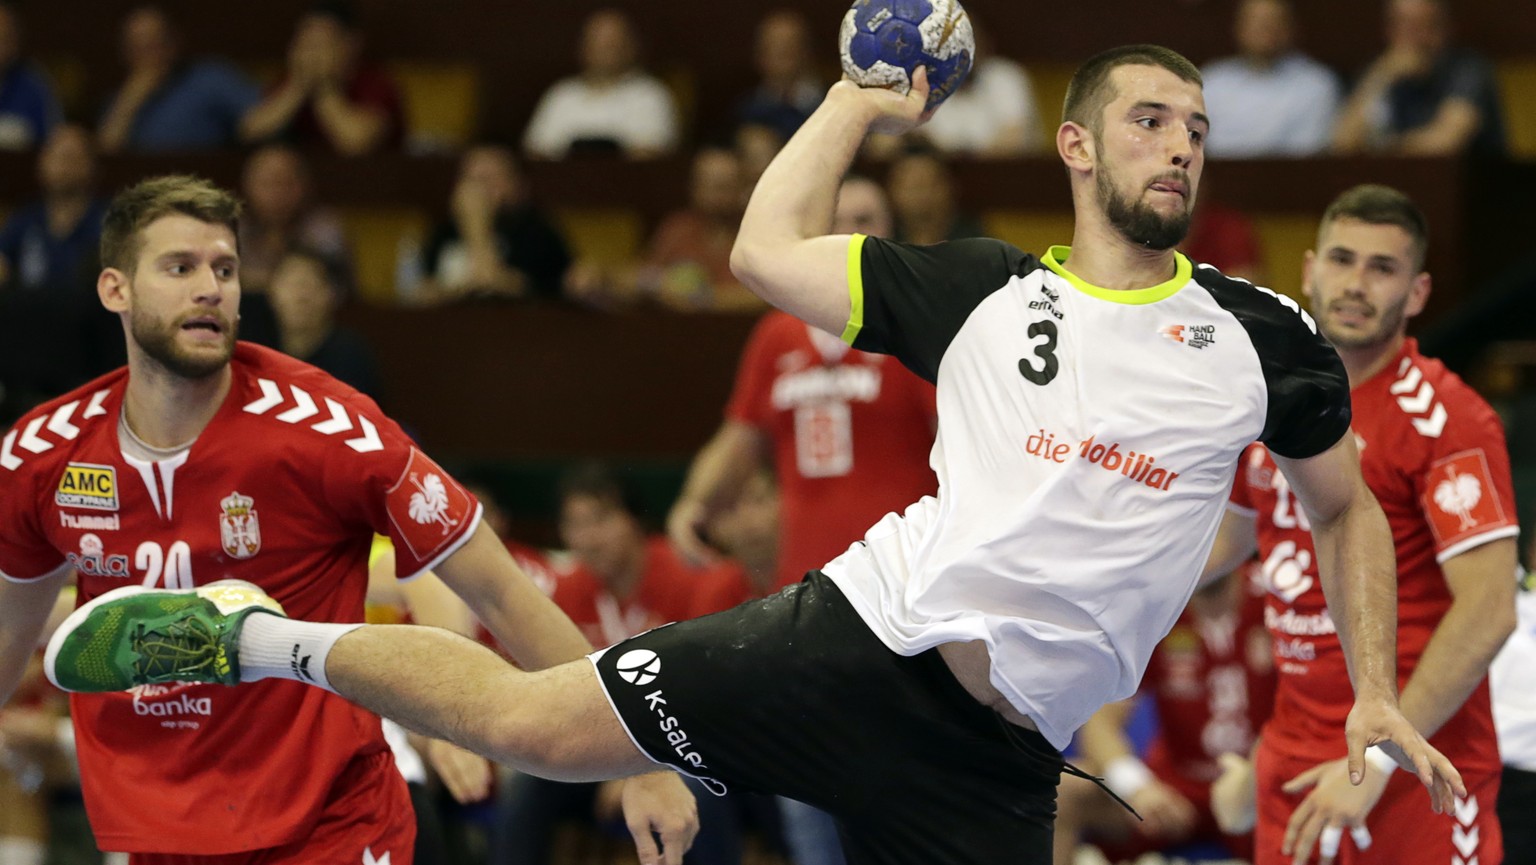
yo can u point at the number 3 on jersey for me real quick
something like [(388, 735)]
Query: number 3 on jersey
[(1045, 354)]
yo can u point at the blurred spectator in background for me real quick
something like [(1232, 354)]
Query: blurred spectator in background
[(923, 196), (747, 531), (1225, 238), (625, 579), (612, 105), (687, 264), (330, 97), (51, 245), (756, 145), (993, 114), (1269, 99), (280, 214), (168, 102), (37, 764), (305, 293), (788, 89), (54, 336), (494, 241), (624, 582), (1423, 96), (28, 107)]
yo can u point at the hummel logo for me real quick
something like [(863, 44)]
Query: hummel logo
[(1415, 396), (305, 408)]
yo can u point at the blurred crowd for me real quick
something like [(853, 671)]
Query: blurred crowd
[(619, 569), (1425, 94)]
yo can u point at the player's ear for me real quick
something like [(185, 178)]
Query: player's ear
[(113, 288), (1308, 261), (1075, 145), (1418, 294)]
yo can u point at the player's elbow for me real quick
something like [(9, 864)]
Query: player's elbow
[(1500, 621), (748, 263)]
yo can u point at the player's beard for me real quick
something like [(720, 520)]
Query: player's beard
[(1388, 320), (1136, 220), (157, 338)]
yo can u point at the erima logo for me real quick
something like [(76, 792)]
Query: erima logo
[(639, 666), (300, 666)]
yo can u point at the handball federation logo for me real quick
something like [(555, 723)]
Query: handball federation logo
[(639, 666)]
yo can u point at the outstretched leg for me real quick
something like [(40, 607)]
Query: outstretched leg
[(554, 723)]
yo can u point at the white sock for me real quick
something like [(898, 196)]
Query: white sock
[(272, 647)]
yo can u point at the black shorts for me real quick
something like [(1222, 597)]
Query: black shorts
[(794, 695)]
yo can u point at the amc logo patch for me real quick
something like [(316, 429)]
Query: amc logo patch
[(87, 486)]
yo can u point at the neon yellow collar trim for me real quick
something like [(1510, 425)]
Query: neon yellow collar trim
[(1056, 257)]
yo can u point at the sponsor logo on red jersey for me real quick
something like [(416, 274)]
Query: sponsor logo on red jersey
[(86, 485), (1460, 498), (426, 506)]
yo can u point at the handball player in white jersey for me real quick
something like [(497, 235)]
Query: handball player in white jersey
[(1093, 403)]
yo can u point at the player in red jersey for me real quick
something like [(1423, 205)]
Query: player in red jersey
[(206, 459), (624, 581), (1212, 683), (1433, 453), (847, 431)]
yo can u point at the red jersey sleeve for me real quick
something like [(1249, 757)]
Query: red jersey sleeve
[(25, 553), (924, 395), (720, 588), (381, 478), (1466, 492), (1241, 497), (751, 399)]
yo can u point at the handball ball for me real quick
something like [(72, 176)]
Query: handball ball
[(884, 41)]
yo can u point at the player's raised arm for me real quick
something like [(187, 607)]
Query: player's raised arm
[(783, 252), (1358, 569)]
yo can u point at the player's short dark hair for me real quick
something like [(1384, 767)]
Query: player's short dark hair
[(136, 207), (1090, 89), (597, 480), (1375, 204)]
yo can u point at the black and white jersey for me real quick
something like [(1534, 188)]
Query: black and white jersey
[(1086, 447)]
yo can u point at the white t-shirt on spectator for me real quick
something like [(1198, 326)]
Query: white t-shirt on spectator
[(636, 111), (998, 97)]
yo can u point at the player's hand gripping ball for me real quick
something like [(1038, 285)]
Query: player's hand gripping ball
[(884, 41)]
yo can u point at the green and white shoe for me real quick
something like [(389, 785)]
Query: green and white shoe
[(138, 636)]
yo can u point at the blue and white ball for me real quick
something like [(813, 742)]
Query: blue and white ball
[(884, 41)]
